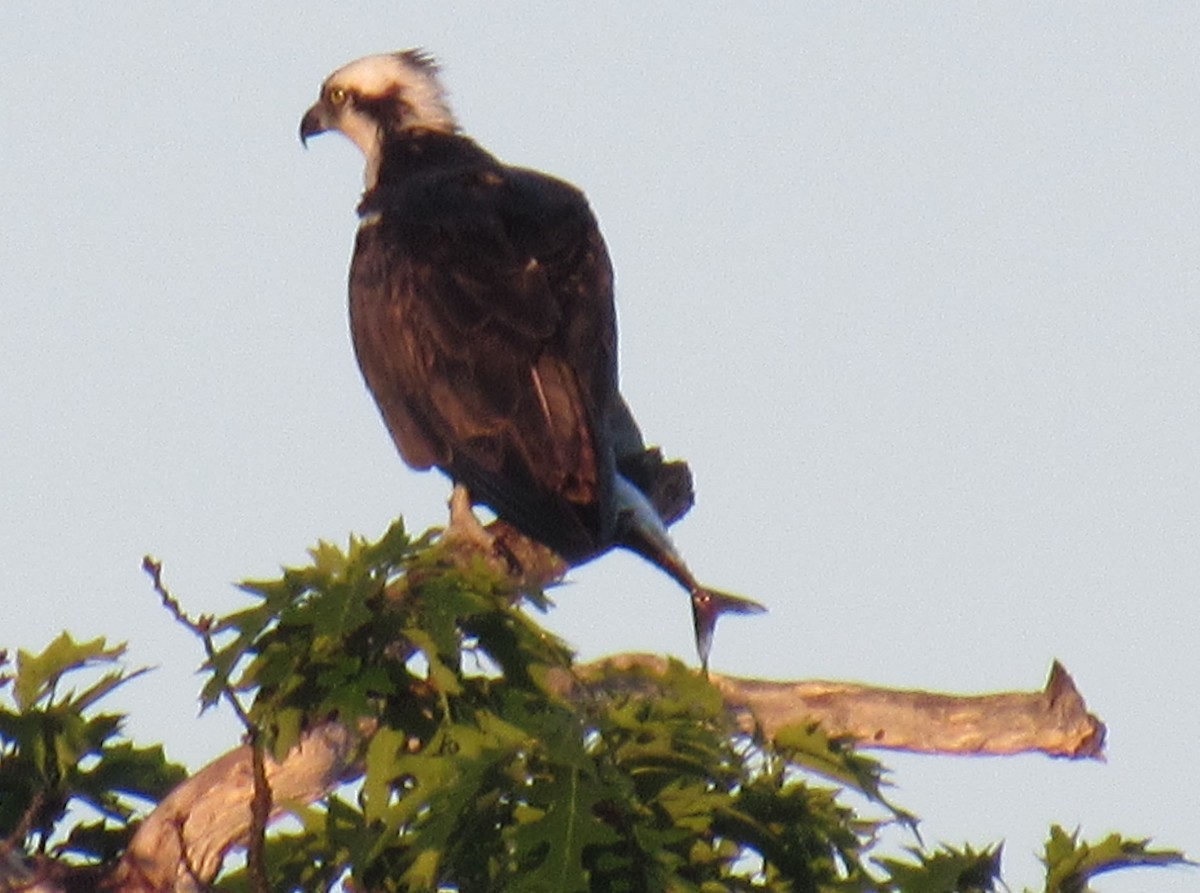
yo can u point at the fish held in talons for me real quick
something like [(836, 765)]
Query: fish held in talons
[(640, 529)]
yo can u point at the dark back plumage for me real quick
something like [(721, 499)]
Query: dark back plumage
[(482, 316)]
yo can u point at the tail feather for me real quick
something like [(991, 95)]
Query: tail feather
[(667, 484)]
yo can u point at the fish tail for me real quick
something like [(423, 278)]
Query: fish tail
[(707, 607)]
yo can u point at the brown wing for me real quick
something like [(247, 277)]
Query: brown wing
[(481, 310)]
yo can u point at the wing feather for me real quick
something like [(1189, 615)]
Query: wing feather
[(482, 317)]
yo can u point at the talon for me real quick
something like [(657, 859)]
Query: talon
[(464, 526)]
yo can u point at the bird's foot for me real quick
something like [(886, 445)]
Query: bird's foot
[(527, 564), (464, 528)]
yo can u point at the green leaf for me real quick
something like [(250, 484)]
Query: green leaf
[(559, 823), (56, 754), (443, 676), (1070, 863), (391, 549), (946, 870), (383, 773), (38, 674), (125, 768), (447, 785), (807, 745), (103, 688)]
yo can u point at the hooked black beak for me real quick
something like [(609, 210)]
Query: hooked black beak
[(315, 121)]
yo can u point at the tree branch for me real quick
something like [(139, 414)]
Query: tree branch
[(1053, 721), (182, 844)]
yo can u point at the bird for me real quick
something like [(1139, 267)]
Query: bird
[(483, 321)]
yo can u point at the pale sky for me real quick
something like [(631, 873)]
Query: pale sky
[(914, 288)]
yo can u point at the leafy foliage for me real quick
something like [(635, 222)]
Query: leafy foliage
[(946, 870), (494, 767), (56, 753), (488, 762), (1071, 863), (482, 774)]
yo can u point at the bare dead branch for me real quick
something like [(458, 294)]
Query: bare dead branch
[(1054, 721)]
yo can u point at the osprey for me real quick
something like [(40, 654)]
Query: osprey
[(481, 310)]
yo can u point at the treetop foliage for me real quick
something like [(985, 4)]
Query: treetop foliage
[(484, 762), (58, 755)]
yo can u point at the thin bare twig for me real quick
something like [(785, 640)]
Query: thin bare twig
[(202, 629), (260, 803), (260, 816)]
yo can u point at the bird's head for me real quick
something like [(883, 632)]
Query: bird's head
[(378, 96)]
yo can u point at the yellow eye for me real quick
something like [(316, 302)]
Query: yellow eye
[(337, 95)]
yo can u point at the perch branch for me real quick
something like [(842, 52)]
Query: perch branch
[(1054, 721)]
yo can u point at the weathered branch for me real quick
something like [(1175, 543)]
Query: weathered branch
[(182, 844), (1053, 721)]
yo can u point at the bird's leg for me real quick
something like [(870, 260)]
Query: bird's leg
[(464, 527)]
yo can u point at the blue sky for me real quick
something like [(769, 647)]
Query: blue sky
[(914, 288)]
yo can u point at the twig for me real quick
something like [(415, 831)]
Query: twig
[(260, 815), (260, 803), (202, 629)]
